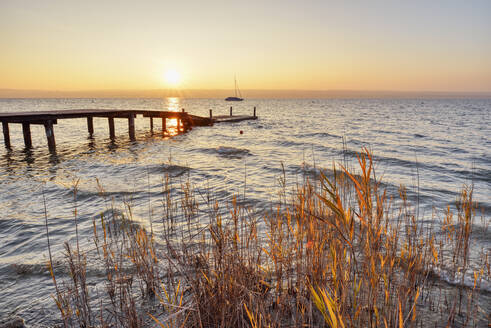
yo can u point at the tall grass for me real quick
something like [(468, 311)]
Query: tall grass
[(336, 252)]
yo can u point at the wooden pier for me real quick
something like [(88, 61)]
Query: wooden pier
[(49, 119)]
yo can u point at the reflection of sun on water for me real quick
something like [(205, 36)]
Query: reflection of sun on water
[(173, 104), (172, 127), (172, 122)]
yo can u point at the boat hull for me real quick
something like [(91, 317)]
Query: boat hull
[(233, 99)]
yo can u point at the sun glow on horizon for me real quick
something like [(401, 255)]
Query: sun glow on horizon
[(172, 77), (319, 46)]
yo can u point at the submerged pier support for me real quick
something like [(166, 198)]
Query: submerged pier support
[(90, 126), (6, 135), (131, 126), (112, 133), (50, 135), (26, 130)]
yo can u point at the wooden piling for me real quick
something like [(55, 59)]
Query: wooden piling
[(26, 129), (186, 126), (6, 134), (112, 133), (50, 135), (183, 110), (230, 110), (254, 111), (151, 124), (164, 124), (178, 125), (90, 125), (131, 126), (211, 114)]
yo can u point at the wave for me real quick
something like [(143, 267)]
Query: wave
[(28, 269), (320, 135), (458, 280), (452, 150), (172, 169), (393, 161), (475, 175), (310, 170), (290, 143), (226, 151), (232, 152), (481, 158)]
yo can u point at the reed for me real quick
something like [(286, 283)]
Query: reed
[(335, 252)]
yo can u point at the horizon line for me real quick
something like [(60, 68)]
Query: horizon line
[(7, 93)]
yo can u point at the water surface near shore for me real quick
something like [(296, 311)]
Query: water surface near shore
[(434, 147)]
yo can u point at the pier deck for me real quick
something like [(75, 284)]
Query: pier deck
[(231, 119), (185, 121)]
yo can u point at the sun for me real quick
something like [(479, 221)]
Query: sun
[(172, 77)]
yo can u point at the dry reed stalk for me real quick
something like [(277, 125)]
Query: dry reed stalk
[(333, 253)]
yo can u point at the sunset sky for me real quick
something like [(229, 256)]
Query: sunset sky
[(302, 45)]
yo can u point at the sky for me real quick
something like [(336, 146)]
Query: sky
[(440, 46)]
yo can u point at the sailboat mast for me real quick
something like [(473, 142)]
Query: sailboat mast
[(235, 80), (237, 90)]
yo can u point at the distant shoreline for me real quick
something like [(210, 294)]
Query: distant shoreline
[(249, 94)]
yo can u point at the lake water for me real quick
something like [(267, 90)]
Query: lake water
[(433, 147)]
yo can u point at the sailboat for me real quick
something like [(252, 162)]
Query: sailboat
[(238, 96)]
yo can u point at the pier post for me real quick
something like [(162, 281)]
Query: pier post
[(112, 133), (178, 124), (151, 124), (50, 135), (164, 124), (131, 126), (254, 111), (90, 125), (183, 110), (26, 129), (211, 114), (6, 134), (186, 125), (230, 110)]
